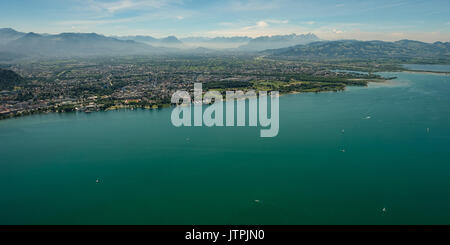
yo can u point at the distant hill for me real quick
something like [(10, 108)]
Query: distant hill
[(276, 42), (143, 39), (7, 35), (169, 42), (239, 43), (9, 79), (73, 44), (351, 49), (216, 42), (216, 39)]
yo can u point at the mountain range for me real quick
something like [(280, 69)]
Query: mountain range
[(68, 45), (280, 41), (353, 49), (168, 42), (7, 35), (240, 43), (16, 45)]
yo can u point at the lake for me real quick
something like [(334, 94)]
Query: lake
[(368, 155), (420, 67)]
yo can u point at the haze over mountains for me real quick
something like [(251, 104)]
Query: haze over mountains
[(192, 42), (73, 44), (15, 45), (241, 43), (275, 42), (7, 35), (168, 42)]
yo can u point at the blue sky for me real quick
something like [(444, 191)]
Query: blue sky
[(426, 20)]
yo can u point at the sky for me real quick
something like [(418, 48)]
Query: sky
[(389, 20)]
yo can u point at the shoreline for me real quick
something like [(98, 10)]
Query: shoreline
[(163, 106), (428, 72)]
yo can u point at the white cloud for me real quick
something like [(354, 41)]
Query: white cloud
[(262, 24), (105, 15), (95, 22), (262, 19), (262, 28), (335, 31), (265, 27), (120, 5), (117, 6)]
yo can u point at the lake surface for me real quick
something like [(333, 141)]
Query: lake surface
[(419, 67), (153, 173)]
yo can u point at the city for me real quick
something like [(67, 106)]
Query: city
[(148, 82)]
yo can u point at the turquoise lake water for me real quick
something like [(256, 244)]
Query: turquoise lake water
[(419, 67), (153, 173)]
